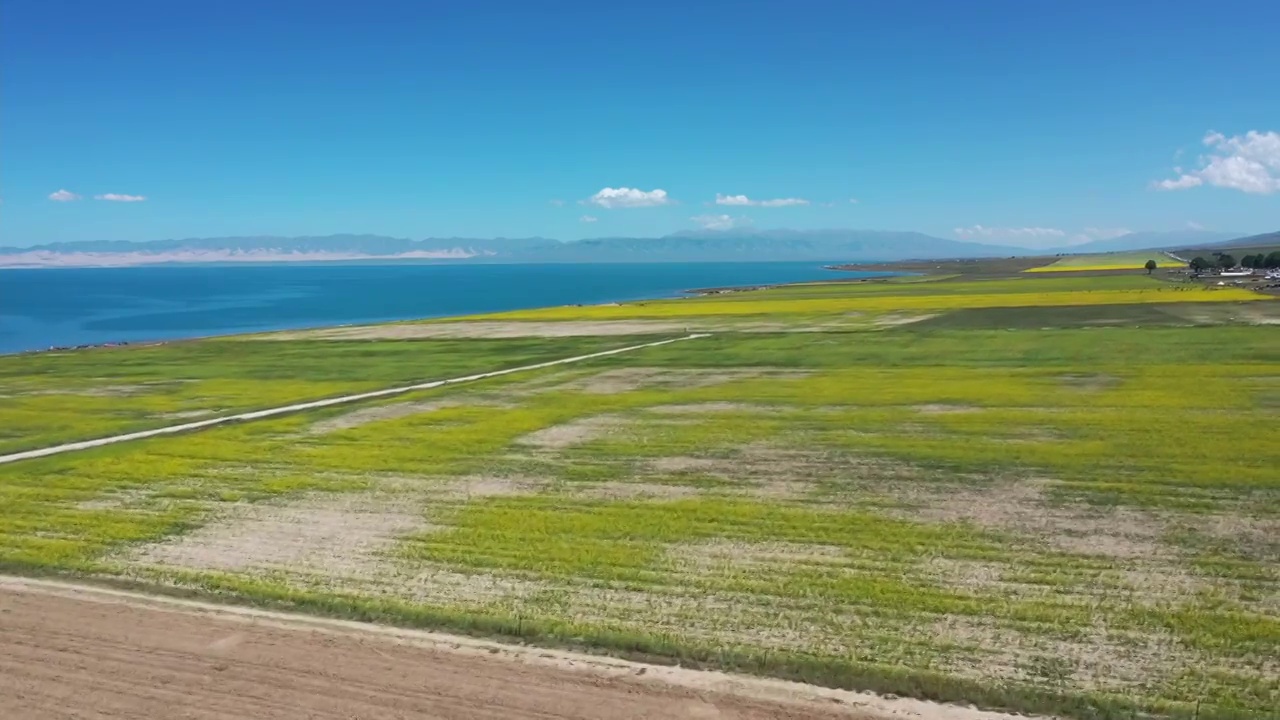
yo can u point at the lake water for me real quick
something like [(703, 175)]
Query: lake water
[(79, 306)]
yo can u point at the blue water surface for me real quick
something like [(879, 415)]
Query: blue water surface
[(77, 306)]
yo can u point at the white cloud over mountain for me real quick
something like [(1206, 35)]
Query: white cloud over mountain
[(1036, 237), (982, 232), (1104, 233), (720, 222)]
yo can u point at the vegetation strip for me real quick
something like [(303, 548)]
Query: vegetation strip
[(316, 404)]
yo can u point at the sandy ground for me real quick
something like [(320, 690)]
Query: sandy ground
[(76, 651), (481, 329)]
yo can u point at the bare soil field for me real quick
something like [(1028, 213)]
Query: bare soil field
[(76, 651)]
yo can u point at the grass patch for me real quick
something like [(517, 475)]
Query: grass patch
[(52, 398)]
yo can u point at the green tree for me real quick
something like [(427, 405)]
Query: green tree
[(1273, 260), (1199, 264), (1226, 261), (1150, 266)]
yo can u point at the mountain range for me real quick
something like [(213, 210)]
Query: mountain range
[(1265, 240), (692, 246), (1149, 240)]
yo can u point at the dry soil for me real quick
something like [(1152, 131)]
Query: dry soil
[(76, 651)]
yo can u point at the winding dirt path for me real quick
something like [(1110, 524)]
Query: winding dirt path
[(71, 651), (314, 404)]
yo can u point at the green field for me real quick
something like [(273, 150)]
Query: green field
[(1040, 493), (52, 398)]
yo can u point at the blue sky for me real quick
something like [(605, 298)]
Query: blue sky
[(1006, 121)]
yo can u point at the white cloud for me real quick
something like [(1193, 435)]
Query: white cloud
[(1182, 183), (743, 200), (63, 196), (853, 201), (557, 203), (624, 197), (1193, 225), (1249, 163), (720, 222), (117, 197), (588, 219)]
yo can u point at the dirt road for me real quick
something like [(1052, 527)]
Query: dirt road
[(72, 651)]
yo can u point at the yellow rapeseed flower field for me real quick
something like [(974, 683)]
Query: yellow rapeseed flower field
[(703, 307), (1109, 261)]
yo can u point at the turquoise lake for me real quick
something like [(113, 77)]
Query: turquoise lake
[(77, 306)]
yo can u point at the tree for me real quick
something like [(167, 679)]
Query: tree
[(1273, 260), (1226, 262), (1199, 264), (1250, 261), (1150, 266)]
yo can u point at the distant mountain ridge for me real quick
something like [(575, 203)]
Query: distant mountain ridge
[(342, 243), (691, 246), (774, 245), (1264, 240), (1149, 241)]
